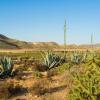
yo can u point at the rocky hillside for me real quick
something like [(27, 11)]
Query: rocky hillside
[(8, 43)]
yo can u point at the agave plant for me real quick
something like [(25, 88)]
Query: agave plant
[(75, 58), (7, 67), (52, 60)]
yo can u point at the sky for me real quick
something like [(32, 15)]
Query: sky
[(43, 20)]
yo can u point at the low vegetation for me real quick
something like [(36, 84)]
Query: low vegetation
[(86, 84), (6, 67), (52, 60), (48, 75)]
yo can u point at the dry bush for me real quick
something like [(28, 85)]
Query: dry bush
[(39, 66)]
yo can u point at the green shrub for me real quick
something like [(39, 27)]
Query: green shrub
[(37, 74), (61, 69), (58, 70), (93, 60), (86, 85)]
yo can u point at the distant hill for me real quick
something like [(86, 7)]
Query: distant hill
[(8, 43), (82, 46), (86, 46), (46, 45)]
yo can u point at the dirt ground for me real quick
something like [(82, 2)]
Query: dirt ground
[(52, 88)]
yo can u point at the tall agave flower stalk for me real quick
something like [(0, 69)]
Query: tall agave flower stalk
[(65, 39), (92, 42)]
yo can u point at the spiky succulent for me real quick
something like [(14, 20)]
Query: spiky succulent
[(7, 66), (75, 58), (52, 60)]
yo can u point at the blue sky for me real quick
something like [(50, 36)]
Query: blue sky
[(43, 20)]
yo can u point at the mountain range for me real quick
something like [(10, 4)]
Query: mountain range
[(9, 43)]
